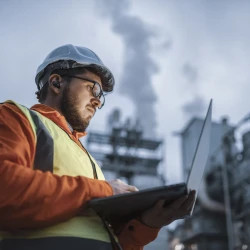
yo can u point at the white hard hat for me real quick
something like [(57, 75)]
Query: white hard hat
[(69, 56)]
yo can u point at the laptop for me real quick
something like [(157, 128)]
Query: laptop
[(123, 207)]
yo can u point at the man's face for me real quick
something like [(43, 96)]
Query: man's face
[(78, 104)]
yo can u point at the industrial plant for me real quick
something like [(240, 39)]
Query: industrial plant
[(221, 218)]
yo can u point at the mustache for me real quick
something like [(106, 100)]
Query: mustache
[(91, 107)]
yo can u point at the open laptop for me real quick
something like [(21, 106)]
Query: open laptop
[(126, 206)]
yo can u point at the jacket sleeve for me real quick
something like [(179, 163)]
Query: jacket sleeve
[(32, 198), (134, 235)]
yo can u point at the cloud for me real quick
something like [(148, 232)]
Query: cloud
[(190, 73), (195, 107)]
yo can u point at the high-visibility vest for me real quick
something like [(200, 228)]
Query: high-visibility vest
[(65, 158)]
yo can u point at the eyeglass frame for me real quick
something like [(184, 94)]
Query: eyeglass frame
[(89, 80)]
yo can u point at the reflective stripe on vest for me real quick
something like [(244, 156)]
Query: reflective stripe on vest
[(44, 142), (44, 145), (68, 159)]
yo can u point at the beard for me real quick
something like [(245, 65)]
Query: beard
[(74, 117)]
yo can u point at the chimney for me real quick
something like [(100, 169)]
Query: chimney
[(246, 145)]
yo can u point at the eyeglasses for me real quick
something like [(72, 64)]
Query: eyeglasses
[(96, 89)]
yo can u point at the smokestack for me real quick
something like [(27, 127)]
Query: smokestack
[(246, 145)]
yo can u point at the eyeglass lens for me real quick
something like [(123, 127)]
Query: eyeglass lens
[(97, 92)]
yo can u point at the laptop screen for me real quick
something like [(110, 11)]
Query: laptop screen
[(201, 153)]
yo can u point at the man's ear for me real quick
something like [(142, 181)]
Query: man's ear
[(55, 82)]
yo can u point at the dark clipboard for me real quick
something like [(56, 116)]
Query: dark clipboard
[(124, 207)]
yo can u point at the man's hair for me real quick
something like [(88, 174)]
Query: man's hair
[(43, 92)]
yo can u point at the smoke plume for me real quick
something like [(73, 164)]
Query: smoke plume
[(139, 67), (196, 106), (190, 73)]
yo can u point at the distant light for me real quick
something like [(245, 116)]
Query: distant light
[(194, 247), (244, 247), (179, 247)]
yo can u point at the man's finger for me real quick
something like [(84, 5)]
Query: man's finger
[(132, 189), (159, 204), (177, 203), (188, 204)]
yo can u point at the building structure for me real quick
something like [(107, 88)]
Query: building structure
[(221, 218), (125, 153)]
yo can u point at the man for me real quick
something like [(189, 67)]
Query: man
[(47, 176)]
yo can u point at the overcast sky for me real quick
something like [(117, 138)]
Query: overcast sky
[(168, 57)]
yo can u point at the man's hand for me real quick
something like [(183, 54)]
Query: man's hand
[(160, 215), (120, 187)]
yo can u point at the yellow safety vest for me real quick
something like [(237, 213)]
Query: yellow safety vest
[(68, 159)]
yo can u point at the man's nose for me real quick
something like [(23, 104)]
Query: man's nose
[(96, 102)]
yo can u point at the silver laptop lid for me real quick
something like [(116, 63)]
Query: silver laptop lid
[(201, 153)]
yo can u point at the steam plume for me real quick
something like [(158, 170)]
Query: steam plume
[(139, 67)]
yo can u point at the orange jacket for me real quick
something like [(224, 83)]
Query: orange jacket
[(24, 190)]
